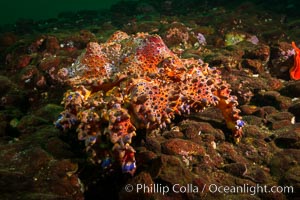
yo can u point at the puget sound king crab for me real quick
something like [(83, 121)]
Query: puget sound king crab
[(136, 82)]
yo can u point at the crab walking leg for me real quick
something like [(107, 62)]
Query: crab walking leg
[(231, 115)]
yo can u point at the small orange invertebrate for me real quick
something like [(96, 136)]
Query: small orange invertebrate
[(295, 70)]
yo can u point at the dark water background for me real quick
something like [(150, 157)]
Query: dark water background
[(14, 10)]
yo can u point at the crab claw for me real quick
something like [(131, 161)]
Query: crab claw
[(129, 167)]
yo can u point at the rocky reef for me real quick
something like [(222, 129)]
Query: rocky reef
[(155, 89)]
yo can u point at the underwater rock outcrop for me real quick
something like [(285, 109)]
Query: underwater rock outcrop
[(135, 82)]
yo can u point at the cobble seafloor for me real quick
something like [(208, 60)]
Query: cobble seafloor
[(194, 157)]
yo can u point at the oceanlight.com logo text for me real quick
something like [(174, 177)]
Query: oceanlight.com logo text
[(249, 189), (212, 188)]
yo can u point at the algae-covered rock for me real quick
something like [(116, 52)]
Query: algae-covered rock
[(31, 172), (49, 112), (233, 38)]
